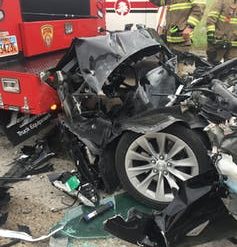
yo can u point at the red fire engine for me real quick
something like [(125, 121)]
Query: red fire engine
[(33, 35)]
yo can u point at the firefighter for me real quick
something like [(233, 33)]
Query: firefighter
[(182, 17), (222, 31)]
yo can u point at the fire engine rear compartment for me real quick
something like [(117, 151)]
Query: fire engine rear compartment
[(54, 9)]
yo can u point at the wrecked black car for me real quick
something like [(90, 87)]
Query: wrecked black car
[(114, 90), (205, 207)]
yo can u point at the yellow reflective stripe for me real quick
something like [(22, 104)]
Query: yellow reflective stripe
[(231, 20), (199, 2), (193, 21), (211, 28), (179, 6), (214, 14), (234, 43), (172, 39), (222, 17), (175, 39)]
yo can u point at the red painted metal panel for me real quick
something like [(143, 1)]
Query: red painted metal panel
[(40, 96), (30, 36), (98, 9), (97, 5), (12, 19), (35, 42)]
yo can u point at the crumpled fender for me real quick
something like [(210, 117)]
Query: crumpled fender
[(150, 123), (155, 121)]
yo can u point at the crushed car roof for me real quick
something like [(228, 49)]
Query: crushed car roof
[(99, 56)]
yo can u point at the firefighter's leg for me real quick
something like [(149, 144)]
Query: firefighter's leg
[(215, 54), (231, 53), (221, 53), (211, 54)]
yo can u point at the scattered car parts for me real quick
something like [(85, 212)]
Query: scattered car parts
[(31, 161), (25, 236), (70, 184), (21, 228), (197, 215)]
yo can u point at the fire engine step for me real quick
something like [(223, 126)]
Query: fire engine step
[(33, 65)]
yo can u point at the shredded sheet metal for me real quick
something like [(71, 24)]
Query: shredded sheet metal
[(99, 56), (197, 215), (25, 236)]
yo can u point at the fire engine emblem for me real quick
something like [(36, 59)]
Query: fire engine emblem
[(47, 33), (122, 7)]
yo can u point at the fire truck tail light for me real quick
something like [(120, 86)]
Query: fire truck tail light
[(10, 85), (54, 107), (2, 15)]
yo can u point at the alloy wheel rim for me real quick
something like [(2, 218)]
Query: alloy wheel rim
[(155, 163)]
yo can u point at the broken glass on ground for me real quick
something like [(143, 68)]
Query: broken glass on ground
[(77, 228)]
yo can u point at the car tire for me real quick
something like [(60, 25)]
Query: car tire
[(142, 160)]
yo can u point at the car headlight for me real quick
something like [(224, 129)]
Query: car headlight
[(2, 15), (10, 85)]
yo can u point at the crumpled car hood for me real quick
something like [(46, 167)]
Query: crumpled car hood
[(98, 57)]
